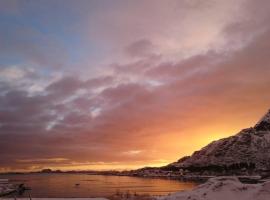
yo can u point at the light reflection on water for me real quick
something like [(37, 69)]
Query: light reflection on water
[(64, 185)]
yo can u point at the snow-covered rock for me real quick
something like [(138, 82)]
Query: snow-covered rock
[(223, 188), (6, 188), (264, 123), (250, 148)]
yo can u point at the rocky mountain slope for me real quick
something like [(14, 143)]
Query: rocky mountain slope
[(249, 149)]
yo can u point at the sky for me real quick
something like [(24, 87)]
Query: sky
[(122, 84)]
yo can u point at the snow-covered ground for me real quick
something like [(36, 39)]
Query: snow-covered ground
[(224, 188)]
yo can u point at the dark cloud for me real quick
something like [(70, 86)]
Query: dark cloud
[(141, 48)]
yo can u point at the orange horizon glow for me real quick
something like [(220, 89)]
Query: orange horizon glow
[(188, 149)]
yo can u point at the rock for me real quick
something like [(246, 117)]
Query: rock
[(249, 149)]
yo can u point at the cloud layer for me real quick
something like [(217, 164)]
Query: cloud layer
[(130, 84)]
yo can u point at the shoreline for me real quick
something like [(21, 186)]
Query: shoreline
[(190, 177), (222, 188), (199, 179)]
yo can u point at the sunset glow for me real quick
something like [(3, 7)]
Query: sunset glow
[(100, 85)]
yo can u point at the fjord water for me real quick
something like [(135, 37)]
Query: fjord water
[(83, 185)]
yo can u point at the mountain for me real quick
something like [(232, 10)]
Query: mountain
[(247, 150)]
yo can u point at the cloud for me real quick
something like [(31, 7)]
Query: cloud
[(132, 152), (177, 29), (42, 160), (146, 105), (12, 73), (141, 48)]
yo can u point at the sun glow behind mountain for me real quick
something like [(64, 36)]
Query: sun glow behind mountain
[(125, 84)]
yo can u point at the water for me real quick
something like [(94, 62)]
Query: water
[(64, 185)]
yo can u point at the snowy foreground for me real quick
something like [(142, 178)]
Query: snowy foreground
[(224, 188)]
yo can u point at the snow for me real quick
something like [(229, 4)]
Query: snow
[(265, 118), (6, 188), (248, 146), (224, 188)]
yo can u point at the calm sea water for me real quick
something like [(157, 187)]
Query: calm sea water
[(64, 185)]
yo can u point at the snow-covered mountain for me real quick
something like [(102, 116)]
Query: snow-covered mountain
[(250, 148)]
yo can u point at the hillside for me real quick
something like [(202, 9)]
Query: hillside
[(247, 150)]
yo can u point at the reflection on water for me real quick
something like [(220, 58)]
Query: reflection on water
[(83, 185)]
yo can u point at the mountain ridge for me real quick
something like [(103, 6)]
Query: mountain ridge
[(250, 146)]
